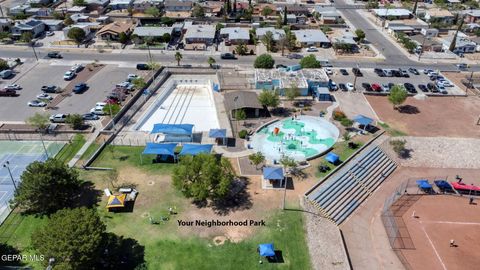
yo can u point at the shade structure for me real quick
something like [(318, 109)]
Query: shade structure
[(217, 133), (195, 149), (273, 173), (166, 149), (116, 201), (363, 120), (464, 187), (423, 184), (174, 129), (332, 158), (266, 250), (442, 184)]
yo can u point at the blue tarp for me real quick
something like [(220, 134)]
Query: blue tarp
[(177, 129), (442, 184), (266, 250), (217, 133), (195, 149), (160, 149), (273, 173), (363, 120), (332, 158), (423, 184)]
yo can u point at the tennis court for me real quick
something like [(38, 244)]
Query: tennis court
[(19, 154)]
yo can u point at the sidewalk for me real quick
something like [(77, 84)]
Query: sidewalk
[(84, 148)]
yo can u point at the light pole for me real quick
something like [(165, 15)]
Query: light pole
[(43, 144), (7, 165), (469, 83), (355, 78), (236, 121), (34, 52), (423, 43)]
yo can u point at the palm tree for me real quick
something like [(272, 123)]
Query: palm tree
[(211, 61), (178, 57), (268, 40)]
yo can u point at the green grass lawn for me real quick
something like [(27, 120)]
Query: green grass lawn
[(391, 131), (341, 149), (70, 149)]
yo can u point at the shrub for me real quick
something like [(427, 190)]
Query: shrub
[(242, 134), (338, 115), (346, 122), (398, 146)]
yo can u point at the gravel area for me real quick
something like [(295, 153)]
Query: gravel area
[(440, 152), (324, 242)]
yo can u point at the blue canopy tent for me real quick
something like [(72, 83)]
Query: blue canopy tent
[(218, 134), (443, 185), (195, 149), (332, 158), (424, 185), (162, 149), (363, 120), (174, 132), (266, 250), (274, 174)]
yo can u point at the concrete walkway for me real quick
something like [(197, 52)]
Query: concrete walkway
[(228, 154), (84, 148)]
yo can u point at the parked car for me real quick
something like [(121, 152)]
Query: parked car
[(343, 71), (68, 75), (13, 87), (294, 56), (143, 66), (396, 73), (462, 66), (385, 87), (342, 87), (350, 87), (44, 96), (367, 86), (357, 72), (54, 55), (5, 74), (404, 73), (280, 66), (432, 87), (128, 86), (333, 86), (80, 88), (50, 89), (77, 68), (414, 71), (228, 56), (423, 87), (90, 116), (376, 87), (98, 110), (329, 70), (37, 103), (8, 93), (427, 70), (410, 88), (312, 49), (50, 33), (379, 72), (58, 118), (132, 77), (387, 72)]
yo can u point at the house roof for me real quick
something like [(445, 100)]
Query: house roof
[(437, 12), (473, 12), (52, 22), (326, 11), (245, 99), (310, 35), (116, 28), (152, 31), (462, 40), (176, 3), (28, 24), (235, 33), (277, 33), (392, 12), (200, 31), (428, 42)]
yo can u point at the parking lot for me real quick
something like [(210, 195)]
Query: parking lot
[(369, 76), (15, 109)]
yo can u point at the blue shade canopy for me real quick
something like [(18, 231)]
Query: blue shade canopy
[(363, 120), (177, 129), (332, 158), (423, 184), (160, 149), (266, 250), (273, 173), (195, 149), (217, 133), (442, 184)]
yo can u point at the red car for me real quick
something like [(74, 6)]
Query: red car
[(376, 87)]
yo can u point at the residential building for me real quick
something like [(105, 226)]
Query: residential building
[(112, 31), (38, 2), (6, 24), (291, 18), (472, 15), (437, 15), (428, 44), (429, 32), (17, 10), (235, 35), (35, 27), (53, 25), (120, 4), (97, 4), (178, 6), (78, 18), (392, 13), (142, 5), (328, 14), (41, 12), (406, 26), (199, 33), (311, 37), (152, 31), (87, 27), (76, 9), (463, 43), (212, 9), (277, 33), (293, 9)]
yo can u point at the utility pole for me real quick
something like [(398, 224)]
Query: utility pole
[(7, 165), (469, 83), (355, 78), (34, 52), (423, 43)]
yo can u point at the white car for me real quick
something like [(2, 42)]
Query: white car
[(333, 86), (312, 49), (37, 103), (349, 86), (329, 70), (68, 75), (13, 87), (98, 110), (44, 96), (132, 77), (446, 83), (77, 68), (58, 118)]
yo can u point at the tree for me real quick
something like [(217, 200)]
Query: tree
[(80, 3), (73, 237), (453, 44), (269, 98), (112, 109), (292, 92), (198, 11), (399, 147), (285, 19), (77, 34), (291, 40), (3, 64), (397, 95), (178, 58), (47, 187), (68, 21), (264, 61), (360, 35), (268, 41), (267, 11), (167, 21), (39, 120), (288, 162), (256, 159), (310, 61), (410, 45), (139, 83), (241, 49), (166, 37), (58, 16), (240, 115), (346, 122), (123, 38), (26, 37), (211, 61), (203, 177), (372, 4), (75, 121), (153, 11)]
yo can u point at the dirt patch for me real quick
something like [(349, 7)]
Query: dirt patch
[(434, 116)]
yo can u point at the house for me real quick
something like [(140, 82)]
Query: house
[(328, 14), (236, 35), (258, 9), (17, 10), (142, 5), (437, 15), (42, 12), (103, 20), (112, 31), (5, 25), (78, 17), (393, 13), (277, 33), (212, 9), (311, 37), (152, 32), (472, 15), (462, 45), (120, 4), (199, 33), (428, 44), (87, 27), (405, 26), (429, 32), (53, 25), (38, 2), (295, 9), (35, 27), (291, 18), (96, 4), (76, 9), (178, 6)]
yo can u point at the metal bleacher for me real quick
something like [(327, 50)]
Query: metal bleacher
[(348, 187)]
